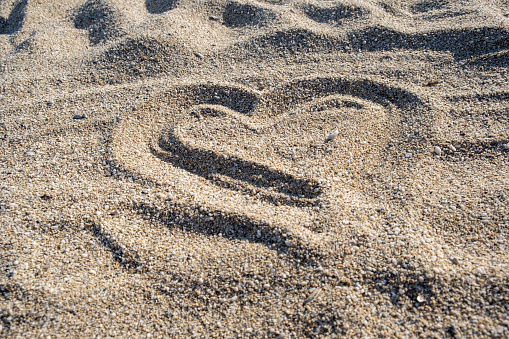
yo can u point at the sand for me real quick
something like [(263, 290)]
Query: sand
[(236, 169)]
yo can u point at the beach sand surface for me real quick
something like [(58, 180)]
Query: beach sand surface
[(242, 168)]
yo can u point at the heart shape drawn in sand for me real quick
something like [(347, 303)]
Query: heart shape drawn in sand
[(259, 162)]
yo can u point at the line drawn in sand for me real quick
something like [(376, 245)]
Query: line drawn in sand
[(258, 161)]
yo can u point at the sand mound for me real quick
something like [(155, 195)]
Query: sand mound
[(239, 15), (254, 168), (335, 14), (99, 19), (160, 6)]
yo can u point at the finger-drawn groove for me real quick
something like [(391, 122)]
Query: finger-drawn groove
[(119, 254), (303, 90), (15, 20), (178, 143), (233, 226), (242, 101)]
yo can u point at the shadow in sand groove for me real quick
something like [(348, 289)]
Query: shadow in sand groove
[(231, 226), (210, 165)]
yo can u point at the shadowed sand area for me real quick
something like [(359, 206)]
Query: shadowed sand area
[(254, 169)]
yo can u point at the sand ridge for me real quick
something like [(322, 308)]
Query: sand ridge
[(166, 170)]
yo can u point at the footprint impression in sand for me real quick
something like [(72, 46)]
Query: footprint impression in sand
[(259, 162)]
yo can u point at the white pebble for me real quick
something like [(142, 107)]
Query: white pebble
[(333, 135), (419, 187), (438, 150), (505, 146), (13, 205), (408, 155), (266, 286), (452, 148), (420, 299)]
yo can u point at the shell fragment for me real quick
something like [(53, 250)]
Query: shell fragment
[(333, 135)]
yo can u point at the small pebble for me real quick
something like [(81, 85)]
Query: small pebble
[(333, 135), (438, 150), (408, 155), (505, 146), (452, 148), (199, 55), (79, 116), (419, 187), (454, 261), (312, 296), (421, 299)]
